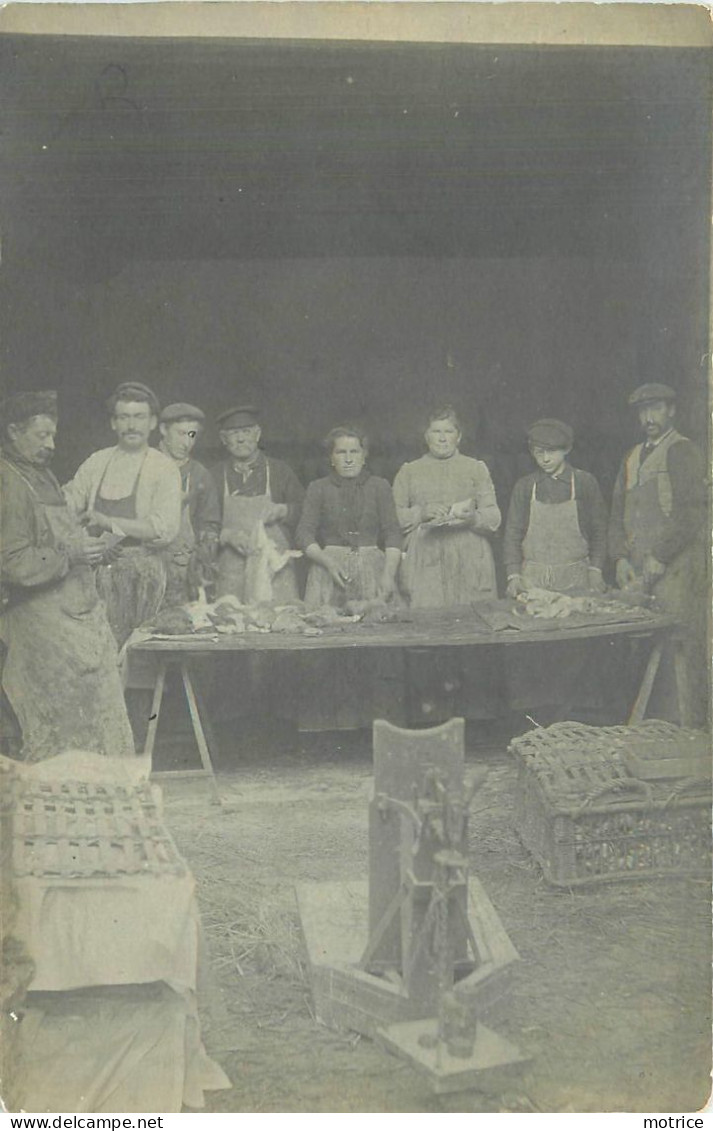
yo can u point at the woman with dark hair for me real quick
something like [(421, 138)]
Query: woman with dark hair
[(350, 535), (349, 530), (446, 506)]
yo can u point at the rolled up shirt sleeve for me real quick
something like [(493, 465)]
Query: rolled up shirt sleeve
[(80, 490), (159, 500)]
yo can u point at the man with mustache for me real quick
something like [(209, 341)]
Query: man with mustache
[(657, 527), (133, 492), (60, 673)]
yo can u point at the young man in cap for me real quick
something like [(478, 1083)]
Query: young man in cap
[(657, 526), (192, 554), (556, 528), (252, 488), (60, 673), (134, 492)]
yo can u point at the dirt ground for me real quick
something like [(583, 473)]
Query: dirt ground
[(611, 999)]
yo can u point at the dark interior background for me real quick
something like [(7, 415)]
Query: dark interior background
[(353, 230)]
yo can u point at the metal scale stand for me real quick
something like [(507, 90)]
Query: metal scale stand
[(416, 956)]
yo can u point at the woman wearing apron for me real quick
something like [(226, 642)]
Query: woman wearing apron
[(555, 538), (448, 513), (350, 534), (61, 672)]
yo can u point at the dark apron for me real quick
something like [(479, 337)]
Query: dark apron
[(132, 586)]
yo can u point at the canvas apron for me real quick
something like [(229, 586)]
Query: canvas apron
[(179, 554), (242, 513), (556, 557), (133, 586), (446, 566), (554, 550), (61, 673)]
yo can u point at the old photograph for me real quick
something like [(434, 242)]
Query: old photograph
[(355, 557)]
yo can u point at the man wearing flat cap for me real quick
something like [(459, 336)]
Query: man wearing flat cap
[(61, 671), (252, 488), (657, 524), (191, 555), (555, 534), (132, 491)]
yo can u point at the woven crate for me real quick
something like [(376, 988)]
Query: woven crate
[(86, 829), (586, 819)]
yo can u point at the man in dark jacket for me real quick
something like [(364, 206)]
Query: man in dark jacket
[(191, 554), (253, 488), (61, 672), (657, 527)]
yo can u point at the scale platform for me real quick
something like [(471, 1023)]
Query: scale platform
[(492, 1066), (335, 919)]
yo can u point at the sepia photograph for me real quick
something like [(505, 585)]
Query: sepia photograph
[(355, 557)]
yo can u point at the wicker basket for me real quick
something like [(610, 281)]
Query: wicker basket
[(586, 819)]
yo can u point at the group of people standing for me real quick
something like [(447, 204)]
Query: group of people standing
[(138, 527)]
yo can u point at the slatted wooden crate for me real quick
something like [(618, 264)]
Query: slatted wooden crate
[(87, 829), (586, 819)]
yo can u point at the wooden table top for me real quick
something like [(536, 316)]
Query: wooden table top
[(427, 628)]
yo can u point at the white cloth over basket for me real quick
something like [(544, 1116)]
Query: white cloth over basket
[(107, 913)]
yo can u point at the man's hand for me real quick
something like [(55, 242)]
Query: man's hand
[(625, 573), (274, 512), (95, 521), (653, 569), (516, 585), (86, 551), (595, 580)]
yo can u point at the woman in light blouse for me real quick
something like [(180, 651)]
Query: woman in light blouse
[(446, 506)]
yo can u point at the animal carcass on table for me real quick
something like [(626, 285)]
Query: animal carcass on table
[(264, 560)]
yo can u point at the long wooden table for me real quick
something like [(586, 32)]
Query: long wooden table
[(425, 629)]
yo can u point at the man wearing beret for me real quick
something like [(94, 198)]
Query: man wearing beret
[(555, 534), (657, 525), (252, 488), (132, 491), (61, 673), (192, 553)]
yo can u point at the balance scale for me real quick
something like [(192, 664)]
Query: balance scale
[(413, 958)]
